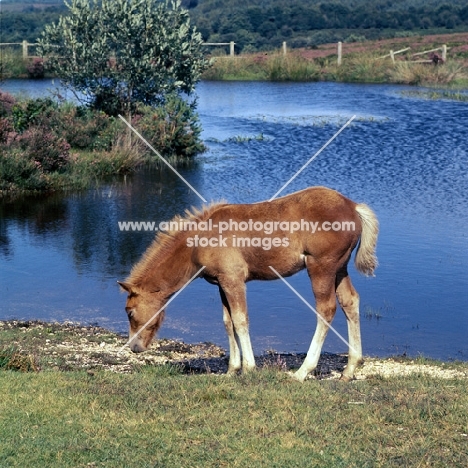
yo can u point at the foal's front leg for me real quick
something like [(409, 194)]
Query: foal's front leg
[(234, 350), (237, 325)]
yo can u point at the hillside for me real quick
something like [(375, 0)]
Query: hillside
[(265, 24)]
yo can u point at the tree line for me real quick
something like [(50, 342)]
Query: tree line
[(261, 24)]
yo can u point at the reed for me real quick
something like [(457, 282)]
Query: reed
[(291, 68), (359, 67), (12, 64), (240, 68)]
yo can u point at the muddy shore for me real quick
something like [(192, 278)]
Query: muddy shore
[(70, 346)]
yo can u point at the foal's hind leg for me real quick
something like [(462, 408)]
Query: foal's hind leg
[(323, 285), (349, 302)]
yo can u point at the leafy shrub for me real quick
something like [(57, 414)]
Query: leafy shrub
[(84, 128), (173, 129), (46, 149), (6, 129), (19, 171), (32, 111), (7, 101)]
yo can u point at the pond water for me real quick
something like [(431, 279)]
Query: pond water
[(60, 255)]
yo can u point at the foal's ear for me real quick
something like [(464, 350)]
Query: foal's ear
[(126, 286)]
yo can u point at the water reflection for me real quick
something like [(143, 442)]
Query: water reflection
[(60, 255)]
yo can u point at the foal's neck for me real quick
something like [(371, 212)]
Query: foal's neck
[(170, 269)]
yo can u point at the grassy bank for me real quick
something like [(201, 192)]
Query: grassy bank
[(358, 68), (363, 62), (160, 415)]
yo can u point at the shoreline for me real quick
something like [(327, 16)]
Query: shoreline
[(70, 346)]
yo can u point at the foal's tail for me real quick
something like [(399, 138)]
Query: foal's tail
[(366, 260)]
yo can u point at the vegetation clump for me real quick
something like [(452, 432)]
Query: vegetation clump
[(46, 145)]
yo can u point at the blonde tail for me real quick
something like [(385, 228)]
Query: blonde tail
[(366, 260)]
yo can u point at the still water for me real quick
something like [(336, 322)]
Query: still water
[(60, 255)]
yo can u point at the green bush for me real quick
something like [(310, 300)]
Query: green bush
[(174, 130), (84, 128), (38, 135), (19, 172), (31, 112)]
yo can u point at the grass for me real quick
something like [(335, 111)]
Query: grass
[(12, 64), (12, 359), (435, 95), (159, 416), (356, 68)]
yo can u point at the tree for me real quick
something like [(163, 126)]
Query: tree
[(114, 54)]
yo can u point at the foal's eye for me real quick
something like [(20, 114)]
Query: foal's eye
[(129, 312)]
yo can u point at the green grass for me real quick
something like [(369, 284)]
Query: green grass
[(12, 64), (158, 417), (356, 68), (436, 95)]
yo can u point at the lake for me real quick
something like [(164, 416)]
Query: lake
[(60, 255)]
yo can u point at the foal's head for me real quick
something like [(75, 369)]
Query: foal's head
[(141, 306)]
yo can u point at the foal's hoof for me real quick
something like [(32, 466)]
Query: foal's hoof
[(345, 378), (295, 376)]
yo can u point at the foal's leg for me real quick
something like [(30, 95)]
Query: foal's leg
[(236, 304), (323, 285), (234, 350), (349, 302)]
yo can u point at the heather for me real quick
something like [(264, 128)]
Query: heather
[(47, 145)]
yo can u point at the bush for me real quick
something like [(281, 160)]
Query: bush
[(6, 129), (84, 128), (36, 69), (31, 112), (7, 101), (47, 150), (19, 172), (174, 129)]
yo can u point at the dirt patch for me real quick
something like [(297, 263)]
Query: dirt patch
[(71, 346)]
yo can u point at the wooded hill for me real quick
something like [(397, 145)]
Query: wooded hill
[(265, 24)]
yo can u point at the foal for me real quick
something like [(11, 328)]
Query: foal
[(314, 229)]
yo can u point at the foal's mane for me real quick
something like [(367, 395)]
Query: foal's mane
[(165, 240)]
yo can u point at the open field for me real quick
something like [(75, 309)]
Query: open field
[(167, 415)]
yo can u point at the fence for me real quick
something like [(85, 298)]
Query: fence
[(443, 49), (25, 46)]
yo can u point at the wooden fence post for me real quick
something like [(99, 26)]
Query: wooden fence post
[(339, 53), (25, 50), (392, 56), (285, 49), (444, 52), (231, 48)]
